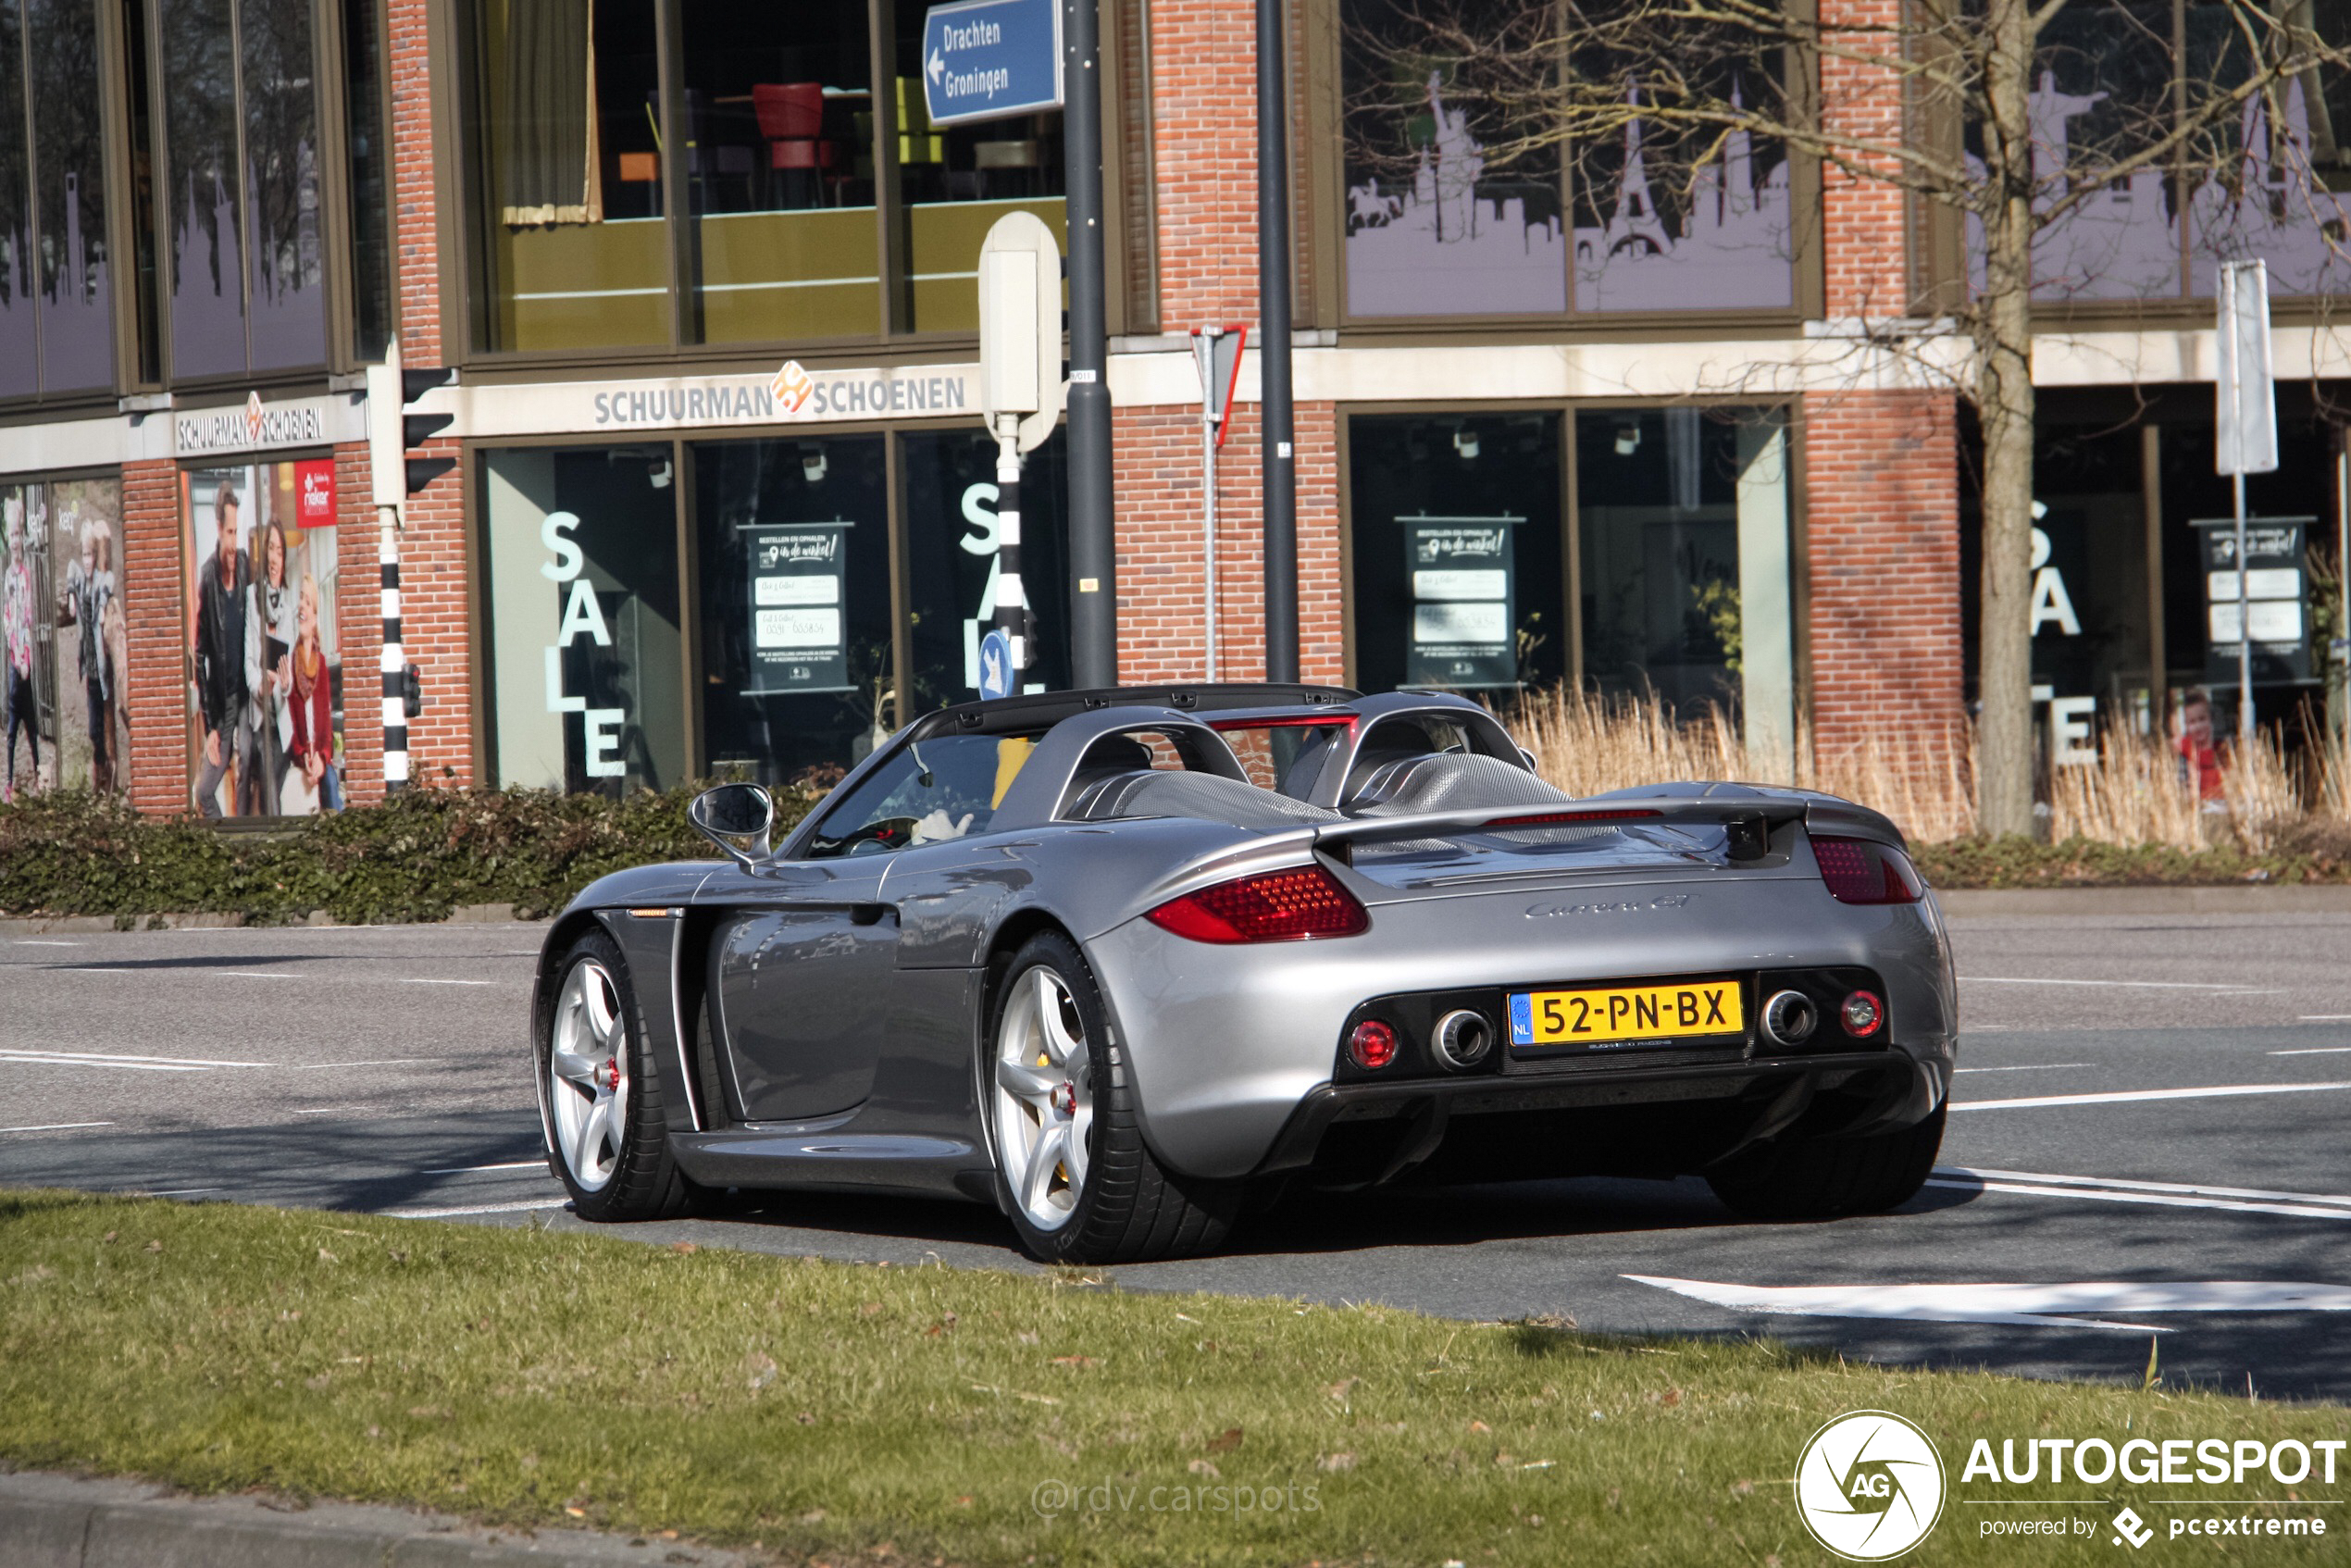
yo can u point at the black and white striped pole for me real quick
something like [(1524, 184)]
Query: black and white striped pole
[(1020, 396), (1011, 603), (393, 476)]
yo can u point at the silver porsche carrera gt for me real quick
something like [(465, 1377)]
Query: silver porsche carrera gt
[(1116, 961)]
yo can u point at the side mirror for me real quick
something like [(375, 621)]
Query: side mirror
[(730, 813), (1528, 757)]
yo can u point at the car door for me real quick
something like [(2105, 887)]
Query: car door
[(804, 969), (800, 982)]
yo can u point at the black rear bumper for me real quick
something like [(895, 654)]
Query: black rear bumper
[(1656, 1118)]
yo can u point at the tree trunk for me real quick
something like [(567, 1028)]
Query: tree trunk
[(2004, 404)]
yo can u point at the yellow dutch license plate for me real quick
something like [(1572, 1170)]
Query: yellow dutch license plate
[(1627, 1015)]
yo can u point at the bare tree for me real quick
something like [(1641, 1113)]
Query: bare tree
[(1951, 102)]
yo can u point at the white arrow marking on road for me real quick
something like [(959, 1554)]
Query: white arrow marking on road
[(2041, 1305), (2119, 1095)]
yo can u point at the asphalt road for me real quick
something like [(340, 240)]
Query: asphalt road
[(2148, 1134)]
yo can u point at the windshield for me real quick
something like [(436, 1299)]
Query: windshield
[(930, 791)]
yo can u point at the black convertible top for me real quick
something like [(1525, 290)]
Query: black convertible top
[(1042, 710)]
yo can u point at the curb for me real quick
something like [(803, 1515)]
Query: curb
[(38, 925), (49, 1521), (2234, 898)]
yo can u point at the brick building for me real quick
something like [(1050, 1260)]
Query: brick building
[(704, 272)]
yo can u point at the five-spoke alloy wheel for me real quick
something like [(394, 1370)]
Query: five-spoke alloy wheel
[(1044, 1097), (586, 1082), (1072, 1169), (607, 1136)]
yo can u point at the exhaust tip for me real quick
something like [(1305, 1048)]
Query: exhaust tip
[(1790, 1017), (1463, 1038)]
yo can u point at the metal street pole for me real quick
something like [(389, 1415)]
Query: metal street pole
[(1273, 348), (1205, 348), (2245, 435), (2245, 635), (1093, 547)]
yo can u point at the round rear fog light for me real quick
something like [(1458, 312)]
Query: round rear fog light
[(1863, 1012), (1373, 1045)]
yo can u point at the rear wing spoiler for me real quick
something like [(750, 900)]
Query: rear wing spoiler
[(1750, 821)]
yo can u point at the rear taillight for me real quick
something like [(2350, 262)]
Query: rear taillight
[(1273, 906), (1864, 871)]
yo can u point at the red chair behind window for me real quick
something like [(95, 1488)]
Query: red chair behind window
[(792, 117)]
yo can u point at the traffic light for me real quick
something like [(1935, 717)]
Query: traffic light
[(394, 433)]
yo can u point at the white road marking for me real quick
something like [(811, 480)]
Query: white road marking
[(23, 1060), (2131, 985), (58, 1127), (2326, 1018), (2136, 1192), (464, 1170), (250, 975), (11, 1053), (2118, 1096), (379, 1061), (416, 980), (2042, 1305), (2196, 1188), (2316, 1050), (475, 1209), (2034, 1068), (39, 942)]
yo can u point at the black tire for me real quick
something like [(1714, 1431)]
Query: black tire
[(1821, 1178), (1129, 1207), (644, 1182)]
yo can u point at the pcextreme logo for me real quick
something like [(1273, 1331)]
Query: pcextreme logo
[(1869, 1485)]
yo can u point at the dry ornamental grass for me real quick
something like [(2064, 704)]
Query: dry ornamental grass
[(2133, 794)]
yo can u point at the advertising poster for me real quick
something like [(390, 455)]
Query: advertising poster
[(1463, 575), (798, 634), (265, 664), (62, 637), (2274, 591)]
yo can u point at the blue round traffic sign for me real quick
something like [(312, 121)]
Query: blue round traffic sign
[(996, 665)]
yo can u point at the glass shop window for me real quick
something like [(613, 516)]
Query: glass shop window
[(588, 677), (777, 118), (241, 122), (954, 182), (1683, 518), (566, 124), (56, 313), (1458, 573), (948, 483), (798, 679)]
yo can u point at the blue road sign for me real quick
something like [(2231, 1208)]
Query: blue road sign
[(988, 59), (996, 665)]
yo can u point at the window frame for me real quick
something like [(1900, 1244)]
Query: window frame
[(696, 695), (1791, 412), (1324, 166), (326, 68), (467, 247)]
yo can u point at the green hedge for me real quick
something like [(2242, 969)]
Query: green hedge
[(428, 852), (416, 857), (2315, 852)]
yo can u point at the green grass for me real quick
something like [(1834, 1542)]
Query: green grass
[(538, 1378)]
